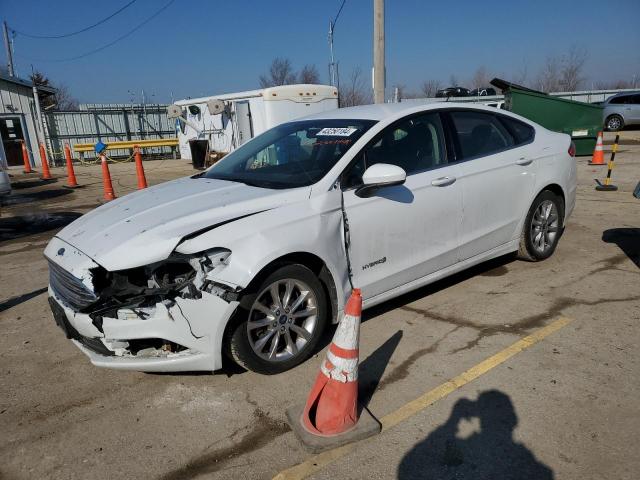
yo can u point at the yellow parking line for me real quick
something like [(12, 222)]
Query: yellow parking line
[(321, 460)]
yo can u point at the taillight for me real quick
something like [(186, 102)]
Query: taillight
[(572, 149)]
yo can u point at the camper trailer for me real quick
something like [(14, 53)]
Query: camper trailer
[(227, 121)]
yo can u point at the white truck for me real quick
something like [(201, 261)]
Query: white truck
[(229, 120)]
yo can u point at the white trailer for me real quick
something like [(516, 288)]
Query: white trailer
[(238, 117)]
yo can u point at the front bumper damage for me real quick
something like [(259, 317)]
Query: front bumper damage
[(176, 334)]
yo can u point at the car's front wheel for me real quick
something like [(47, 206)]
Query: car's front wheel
[(542, 227), (614, 123), (279, 322)]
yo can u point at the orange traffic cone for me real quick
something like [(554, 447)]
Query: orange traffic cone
[(142, 180), (25, 158), (598, 152), (330, 416), (71, 175), (46, 174), (106, 179)]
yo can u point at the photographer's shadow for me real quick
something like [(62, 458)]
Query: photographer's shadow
[(488, 454)]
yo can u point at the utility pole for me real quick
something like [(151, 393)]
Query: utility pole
[(7, 45), (378, 51), (333, 70), (42, 126)]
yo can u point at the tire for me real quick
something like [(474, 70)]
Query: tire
[(614, 123), (540, 234), (295, 329)]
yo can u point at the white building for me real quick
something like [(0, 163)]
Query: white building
[(18, 119), (244, 115)]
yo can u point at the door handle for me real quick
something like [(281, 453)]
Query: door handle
[(524, 161), (443, 181)]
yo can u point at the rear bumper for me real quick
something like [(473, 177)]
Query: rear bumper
[(196, 325)]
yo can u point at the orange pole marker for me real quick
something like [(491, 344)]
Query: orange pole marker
[(46, 174), (106, 179), (598, 152), (71, 175), (142, 180), (25, 158)]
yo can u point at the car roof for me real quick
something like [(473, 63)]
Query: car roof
[(384, 110)]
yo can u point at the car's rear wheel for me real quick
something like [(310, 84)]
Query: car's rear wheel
[(279, 323), (542, 227), (614, 123)]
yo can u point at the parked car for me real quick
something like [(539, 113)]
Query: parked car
[(250, 258), (452, 92), (621, 110), (482, 92)]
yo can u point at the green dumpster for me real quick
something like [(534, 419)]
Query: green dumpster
[(582, 121)]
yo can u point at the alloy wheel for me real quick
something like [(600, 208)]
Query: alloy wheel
[(614, 123), (544, 226), (282, 320)]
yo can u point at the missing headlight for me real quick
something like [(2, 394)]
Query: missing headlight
[(126, 293), (172, 274)]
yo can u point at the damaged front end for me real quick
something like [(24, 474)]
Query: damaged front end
[(165, 316)]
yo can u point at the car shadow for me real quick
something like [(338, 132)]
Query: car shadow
[(492, 268), (627, 239), (490, 452)]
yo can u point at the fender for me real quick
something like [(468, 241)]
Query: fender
[(313, 227)]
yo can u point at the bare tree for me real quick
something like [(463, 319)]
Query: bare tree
[(613, 84), (480, 78), (62, 100), (549, 77), (453, 80), (280, 73), (572, 65), (563, 73), (429, 88), (309, 74), (520, 76), (354, 91)]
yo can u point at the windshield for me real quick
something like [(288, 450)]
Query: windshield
[(294, 154)]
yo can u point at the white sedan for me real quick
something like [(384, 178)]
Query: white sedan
[(252, 258)]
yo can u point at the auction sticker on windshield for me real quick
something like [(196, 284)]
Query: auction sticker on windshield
[(337, 131)]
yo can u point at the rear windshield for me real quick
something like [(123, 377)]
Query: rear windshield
[(294, 154)]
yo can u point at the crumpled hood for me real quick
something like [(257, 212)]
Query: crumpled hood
[(145, 226)]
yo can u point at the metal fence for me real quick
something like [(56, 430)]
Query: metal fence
[(109, 123)]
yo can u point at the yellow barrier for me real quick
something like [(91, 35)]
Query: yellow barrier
[(128, 144)]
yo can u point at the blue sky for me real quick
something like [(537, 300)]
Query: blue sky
[(199, 47)]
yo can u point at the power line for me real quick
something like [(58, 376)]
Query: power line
[(64, 35), (122, 37), (338, 14)]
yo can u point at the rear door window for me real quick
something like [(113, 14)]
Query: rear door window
[(479, 134), (621, 100), (521, 132)]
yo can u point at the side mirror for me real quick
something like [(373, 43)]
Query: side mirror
[(378, 176)]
